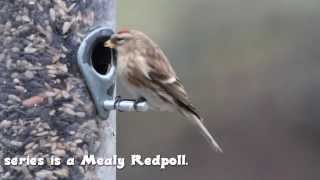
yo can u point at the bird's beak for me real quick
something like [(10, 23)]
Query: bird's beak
[(109, 44)]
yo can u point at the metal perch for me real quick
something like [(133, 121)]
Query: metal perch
[(126, 105)]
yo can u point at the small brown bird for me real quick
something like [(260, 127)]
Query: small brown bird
[(148, 75)]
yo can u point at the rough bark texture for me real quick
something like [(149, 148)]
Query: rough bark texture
[(45, 108)]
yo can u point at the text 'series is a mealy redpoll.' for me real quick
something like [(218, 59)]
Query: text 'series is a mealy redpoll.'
[(92, 160)]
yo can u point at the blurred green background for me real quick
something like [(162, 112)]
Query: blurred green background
[(252, 68)]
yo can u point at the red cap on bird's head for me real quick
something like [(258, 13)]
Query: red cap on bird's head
[(125, 30)]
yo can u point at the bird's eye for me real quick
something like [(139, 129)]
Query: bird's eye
[(120, 39)]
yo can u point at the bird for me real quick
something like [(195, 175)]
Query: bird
[(147, 74)]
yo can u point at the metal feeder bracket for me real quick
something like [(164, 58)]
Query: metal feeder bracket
[(98, 66)]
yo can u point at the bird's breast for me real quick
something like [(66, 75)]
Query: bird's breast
[(132, 63), (122, 66)]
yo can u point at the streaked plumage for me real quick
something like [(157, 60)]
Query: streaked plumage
[(147, 73)]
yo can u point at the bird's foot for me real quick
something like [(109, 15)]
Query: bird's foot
[(118, 100), (139, 100)]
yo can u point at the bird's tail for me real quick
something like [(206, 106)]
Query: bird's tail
[(197, 122)]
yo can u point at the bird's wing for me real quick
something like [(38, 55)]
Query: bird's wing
[(162, 74)]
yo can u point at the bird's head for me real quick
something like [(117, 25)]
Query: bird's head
[(119, 39)]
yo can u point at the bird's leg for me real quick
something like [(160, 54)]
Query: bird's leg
[(139, 100)]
